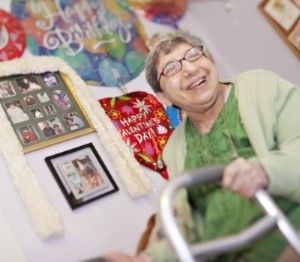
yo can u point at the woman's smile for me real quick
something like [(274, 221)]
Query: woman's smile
[(198, 83)]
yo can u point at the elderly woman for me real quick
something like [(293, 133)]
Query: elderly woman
[(250, 124)]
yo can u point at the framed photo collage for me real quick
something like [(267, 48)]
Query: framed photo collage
[(42, 109)]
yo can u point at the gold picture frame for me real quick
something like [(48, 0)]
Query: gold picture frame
[(135, 181), (43, 215), (43, 109), (284, 16)]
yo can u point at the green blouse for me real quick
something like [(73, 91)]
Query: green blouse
[(218, 212)]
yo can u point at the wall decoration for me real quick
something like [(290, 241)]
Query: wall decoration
[(42, 109), (143, 124), (12, 37), (44, 217), (92, 36), (294, 36), (161, 11), (284, 16), (81, 175)]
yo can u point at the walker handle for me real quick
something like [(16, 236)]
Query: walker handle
[(274, 216)]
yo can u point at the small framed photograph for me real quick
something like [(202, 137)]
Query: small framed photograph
[(50, 79), (43, 97), (28, 134), (81, 175), (36, 113), (51, 127), (29, 100), (284, 16), (49, 109), (6, 89), (45, 105), (28, 84), (73, 121), (15, 112), (61, 100)]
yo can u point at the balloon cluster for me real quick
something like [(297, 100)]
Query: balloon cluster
[(93, 37)]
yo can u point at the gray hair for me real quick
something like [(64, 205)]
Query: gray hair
[(165, 46)]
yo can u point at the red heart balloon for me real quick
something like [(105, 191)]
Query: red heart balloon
[(143, 124)]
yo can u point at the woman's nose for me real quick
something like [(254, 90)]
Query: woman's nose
[(189, 68)]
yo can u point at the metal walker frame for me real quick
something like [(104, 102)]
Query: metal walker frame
[(186, 253)]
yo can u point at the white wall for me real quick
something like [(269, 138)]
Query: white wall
[(239, 40), (111, 223), (245, 38)]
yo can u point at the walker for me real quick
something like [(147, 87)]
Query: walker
[(188, 253)]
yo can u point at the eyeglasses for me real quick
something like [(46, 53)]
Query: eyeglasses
[(175, 66)]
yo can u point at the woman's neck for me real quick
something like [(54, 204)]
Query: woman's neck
[(204, 121)]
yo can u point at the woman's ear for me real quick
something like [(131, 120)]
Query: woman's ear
[(163, 99)]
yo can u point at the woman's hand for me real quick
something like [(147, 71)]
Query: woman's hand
[(244, 177)]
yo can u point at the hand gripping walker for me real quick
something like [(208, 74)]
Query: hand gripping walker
[(274, 216)]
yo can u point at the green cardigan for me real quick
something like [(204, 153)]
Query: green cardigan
[(270, 111)]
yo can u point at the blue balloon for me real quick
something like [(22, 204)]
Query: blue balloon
[(113, 73)]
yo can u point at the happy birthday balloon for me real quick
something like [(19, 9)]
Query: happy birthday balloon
[(93, 36), (143, 124), (161, 11), (12, 37)]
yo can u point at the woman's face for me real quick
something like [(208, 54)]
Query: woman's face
[(195, 87)]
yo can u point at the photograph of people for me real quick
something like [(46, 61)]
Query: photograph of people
[(15, 112), (80, 177), (36, 113), (28, 84), (91, 178), (51, 127), (72, 180), (43, 97), (28, 135), (6, 89), (50, 79), (57, 126), (47, 130), (61, 99), (49, 109), (250, 123), (58, 130), (73, 121), (29, 100)]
